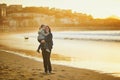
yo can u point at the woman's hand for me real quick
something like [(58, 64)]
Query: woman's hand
[(42, 41)]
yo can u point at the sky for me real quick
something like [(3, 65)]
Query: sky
[(96, 8)]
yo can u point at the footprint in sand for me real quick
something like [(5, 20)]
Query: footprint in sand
[(10, 70), (41, 76), (86, 73), (62, 70), (22, 75), (31, 79), (34, 74), (61, 76), (37, 69)]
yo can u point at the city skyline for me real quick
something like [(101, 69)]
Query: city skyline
[(96, 8)]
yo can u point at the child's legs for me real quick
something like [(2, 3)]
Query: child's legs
[(39, 47), (46, 45), (40, 41)]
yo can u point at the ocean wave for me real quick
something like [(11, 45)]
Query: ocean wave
[(88, 35)]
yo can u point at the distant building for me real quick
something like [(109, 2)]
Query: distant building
[(69, 21), (29, 19), (65, 20), (3, 10), (14, 8)]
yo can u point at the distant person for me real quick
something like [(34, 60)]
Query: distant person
[(41, 38), (46, 54)]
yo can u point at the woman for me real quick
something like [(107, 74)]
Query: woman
[(46, 54)]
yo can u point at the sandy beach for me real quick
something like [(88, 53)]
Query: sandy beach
[(15, 67)]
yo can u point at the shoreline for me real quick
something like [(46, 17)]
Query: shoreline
[(32, 52), (17, 69)]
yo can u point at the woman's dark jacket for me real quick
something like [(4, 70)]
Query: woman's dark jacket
[(49, 40)]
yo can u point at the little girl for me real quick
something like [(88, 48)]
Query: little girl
[(41, 38)]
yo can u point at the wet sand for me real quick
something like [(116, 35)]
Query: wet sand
[(14, 67)]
